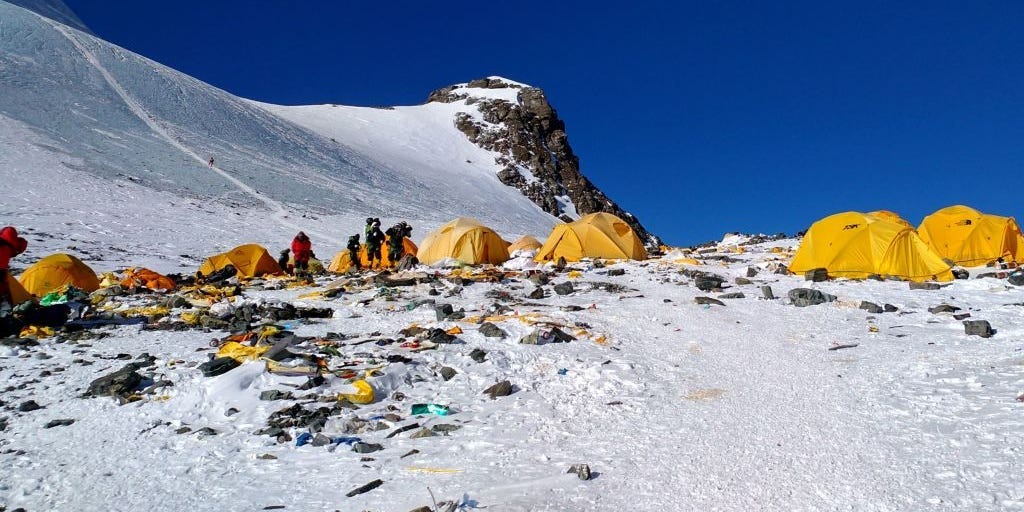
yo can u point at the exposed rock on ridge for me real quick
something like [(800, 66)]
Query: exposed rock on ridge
[(535, 154)]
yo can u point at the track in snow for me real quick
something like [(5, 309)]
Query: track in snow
[(280, 213)]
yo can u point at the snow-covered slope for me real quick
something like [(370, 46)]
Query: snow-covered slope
[(118, 117)]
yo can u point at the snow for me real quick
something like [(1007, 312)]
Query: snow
[(674, 405)]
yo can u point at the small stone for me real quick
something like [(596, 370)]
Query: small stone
[(29, 406), (536, 294), (447, 373), (978, 328), (365, 488), (59, 423), (616, 272), (206, 431), (409, 453), (539, 279), (708, 282), (564, 288), (733, 295), (267, 456), (743, 281), (889, 308), (816, 275), (478, 355), (441, 311), (503, 388), (231, 412), (961, 316), (751, 272), (320, 440), (424, 508), (275, 394), (445, 428), (580, 470), (183, 430), (767, 293), (490, 330), (924, 286), (943, 308), (423, 432), (361, 447), (708, 300), (871, 307), (1016, 279)]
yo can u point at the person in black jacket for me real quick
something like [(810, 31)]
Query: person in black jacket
[(353, 251), (374, 239)]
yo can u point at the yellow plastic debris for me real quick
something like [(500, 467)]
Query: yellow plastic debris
[(363, 394), (686, 261), (454, 330), (575, 274), (241, 353), (420, 469), (190, 317), (36, 332)]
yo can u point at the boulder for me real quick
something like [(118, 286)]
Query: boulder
[(978, 328), (447, 372), (816, 275), (803, 297), (733, 295), (708, 282), (489, 330), (871, 307), (503, 388), (743, 281), (708, 300), (564, 288), (943, 308), (767, 293)]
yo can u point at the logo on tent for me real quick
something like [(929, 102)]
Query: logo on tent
[(851, 226)]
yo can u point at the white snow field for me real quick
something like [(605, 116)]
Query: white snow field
[(674, 405)]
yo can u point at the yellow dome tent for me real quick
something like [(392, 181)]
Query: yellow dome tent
[(598, 235), (250, 260), (526, 243), (18, 292), (891, 217), (57, 270), (465, 240), (855, 245), (970, 238), (342, 262)]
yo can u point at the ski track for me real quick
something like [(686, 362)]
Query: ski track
[(280, 213)]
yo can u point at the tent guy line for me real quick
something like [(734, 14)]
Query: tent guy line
[(280, 213)]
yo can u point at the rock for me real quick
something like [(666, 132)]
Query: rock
[(176, 301), (707, 282), (961, 273), (889, 308), (206, 431), (536, 294), (767, 293), (539, 278), (218, 366), (871, 307), (440, 336), (564, 288), (423, 432), (743, 281), (231, 412), (733, 295), (478, 355), (29, 406), (503, 388), (943, 308), (119, 383), (422, 509), (616, 272), (782, 270), (365, 488), (442, 311), (987, 275), (490, 330), (803, 297), (1016, 279), (275, 394), (978, 328), (267, 456), (447, 372), (183, 430), (410, 453), (708, 300), (924, 286), (751, 272), (445, 428), (580, 470), (961, 316), (816, 275), (320, 440), (361, 447)]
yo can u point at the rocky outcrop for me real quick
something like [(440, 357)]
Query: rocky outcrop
[(533, 149)]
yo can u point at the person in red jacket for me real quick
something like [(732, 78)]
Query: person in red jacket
[(11, 245), (302, 249)]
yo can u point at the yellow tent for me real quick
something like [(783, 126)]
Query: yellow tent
[(250, 260), (526, 243), (57, 270), (971, 238), (341, 261), (465, 240), (891, 217), (18, 292), (856, 245), (598, 235)]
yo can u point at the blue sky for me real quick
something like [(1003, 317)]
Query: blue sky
[(699, 117)]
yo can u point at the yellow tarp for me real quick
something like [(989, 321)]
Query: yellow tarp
[(855, 245), (363, 394), (342, 261), (466, 241), (971, 238), (251, 260), (57, 270), (598, 235), (240, 352)]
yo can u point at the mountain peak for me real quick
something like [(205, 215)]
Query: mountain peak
[(55, 10)]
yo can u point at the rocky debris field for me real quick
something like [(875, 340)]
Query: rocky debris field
[(598, 386)]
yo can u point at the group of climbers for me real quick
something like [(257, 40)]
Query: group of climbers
[(302, 249)]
